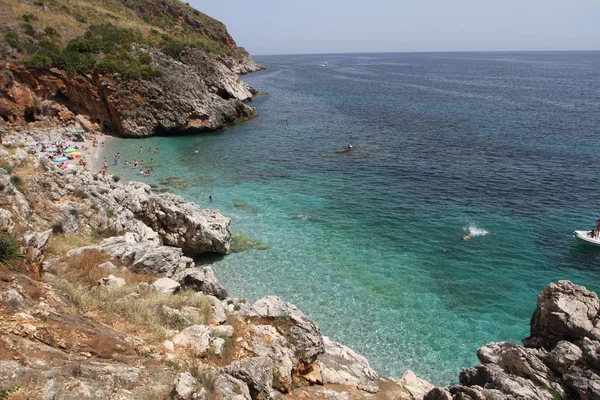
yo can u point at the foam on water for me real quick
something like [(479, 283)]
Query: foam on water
[(473, 230)]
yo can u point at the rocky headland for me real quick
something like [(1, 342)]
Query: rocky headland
[(133, 68)]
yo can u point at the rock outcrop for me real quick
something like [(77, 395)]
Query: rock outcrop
[(559, 360)]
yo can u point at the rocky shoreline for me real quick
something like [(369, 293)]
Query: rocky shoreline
[(268, 349), (274, 350)]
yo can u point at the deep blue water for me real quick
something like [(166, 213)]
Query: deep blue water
[(368, 243)]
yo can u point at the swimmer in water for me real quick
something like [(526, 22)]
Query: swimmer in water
[(466, 237), (196, 151)]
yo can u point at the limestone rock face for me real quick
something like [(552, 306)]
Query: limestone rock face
[(166, 286), (257, 373), (417, 387), (304, 334), (196, 93), (199, 337), (341, 365), (156, 218), (203, 280), (180, 224), (565, 312), (185, 386)]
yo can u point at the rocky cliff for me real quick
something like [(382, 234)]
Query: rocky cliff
[(135, 67)]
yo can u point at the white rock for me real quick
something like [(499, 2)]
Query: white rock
[(185, 385), (218, 345), (169, 346), (108, 266), (417, 387), (111, 281), (166, 286), (199, 337)]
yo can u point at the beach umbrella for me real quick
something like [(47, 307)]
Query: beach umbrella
[(69, 150), (77, 153), (69, 143)]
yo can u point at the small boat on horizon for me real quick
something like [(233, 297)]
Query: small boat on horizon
[(583, 237), (325, 64)]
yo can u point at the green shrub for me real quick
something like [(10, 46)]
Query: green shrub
[(144, 58), (28, 29), (28, 17), (12, 39), (7, 167), (83, 45), (39, 61), (80, 18), (50, 31), (9, 250), (16, 181), (82, 194), (173, 49), (73, 62)]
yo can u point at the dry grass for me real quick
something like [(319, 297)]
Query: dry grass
[(84, 269), (24, 393), (132, 308), (26, 169), (59, 245), (95, 11)]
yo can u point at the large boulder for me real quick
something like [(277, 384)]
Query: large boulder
[(203, 280), (257, 372), (340, 365), (198, 337), (304, 335), (565, 311), (142, 256), (417, 387), (177, 222), (166, 286)]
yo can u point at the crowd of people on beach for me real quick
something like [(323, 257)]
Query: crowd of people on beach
[(66, 154)]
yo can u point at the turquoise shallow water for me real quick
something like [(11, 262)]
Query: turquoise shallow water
[(368, 243)]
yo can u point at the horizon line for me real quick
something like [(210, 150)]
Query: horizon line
[(431, 51)]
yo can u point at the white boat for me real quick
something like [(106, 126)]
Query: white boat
[(325, 64), (583, 237)]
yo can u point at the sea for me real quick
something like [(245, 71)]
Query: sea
[(501, 147)]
